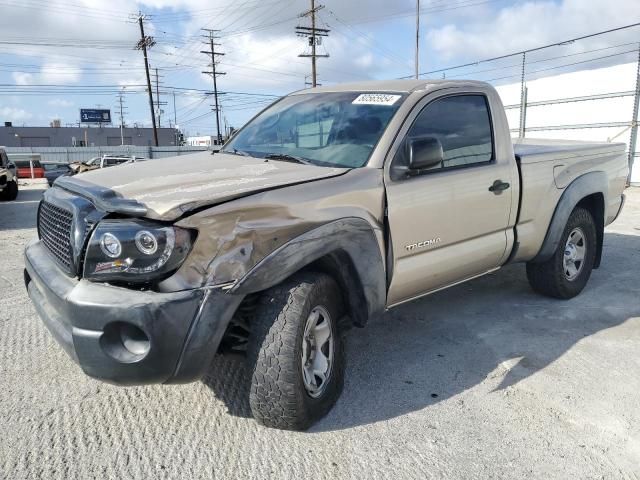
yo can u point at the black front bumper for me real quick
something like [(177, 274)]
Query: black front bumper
[(181, 331)]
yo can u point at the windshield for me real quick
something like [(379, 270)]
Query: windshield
[(330, 129)]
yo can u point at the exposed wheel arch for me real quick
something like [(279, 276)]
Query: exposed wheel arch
[(594, 204), (347, 249), (588, 191), (339, 265)]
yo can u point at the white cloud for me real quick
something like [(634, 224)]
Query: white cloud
[(60, 102), (22, 78), (365, 60), (531, 24), (59, 73), (11, 114)]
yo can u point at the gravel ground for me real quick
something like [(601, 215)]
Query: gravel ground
[(485, 380)]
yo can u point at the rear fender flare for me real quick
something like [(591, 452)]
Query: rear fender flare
[(354, 236), (580, 188)]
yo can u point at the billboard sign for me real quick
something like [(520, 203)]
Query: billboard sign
[(95, 115)]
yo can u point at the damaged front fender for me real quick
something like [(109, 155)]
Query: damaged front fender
[(253, 243), (363, 279)]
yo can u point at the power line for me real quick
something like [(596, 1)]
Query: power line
[(566, 65), (437, 9), (370, 41), (501, 57), (531, 62)]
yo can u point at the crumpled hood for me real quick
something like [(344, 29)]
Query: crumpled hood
[(167, 188)]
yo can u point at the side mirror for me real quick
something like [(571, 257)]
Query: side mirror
[(424, 153)]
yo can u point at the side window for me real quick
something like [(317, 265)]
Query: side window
[(4, 161), (110, 162), (463, 126)]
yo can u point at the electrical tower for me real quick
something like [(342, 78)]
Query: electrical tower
[(211, 37), (158, 103), (122, 109), (314, 35), (144, 44)]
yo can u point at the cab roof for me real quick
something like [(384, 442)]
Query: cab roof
[(399, 86)]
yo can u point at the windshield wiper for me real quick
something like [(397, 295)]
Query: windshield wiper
[(235, 151), (285, 157)]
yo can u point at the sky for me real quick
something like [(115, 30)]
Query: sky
[(57, 56)]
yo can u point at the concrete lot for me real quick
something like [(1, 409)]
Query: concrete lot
[(485, 380)]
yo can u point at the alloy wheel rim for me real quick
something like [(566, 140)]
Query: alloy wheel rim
[(317, 351), (575, 251)]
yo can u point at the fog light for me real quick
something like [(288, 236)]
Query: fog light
[(125, 342)]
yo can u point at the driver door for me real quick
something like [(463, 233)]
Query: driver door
[(446, 225)]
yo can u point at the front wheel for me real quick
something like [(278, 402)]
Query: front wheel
[(295, 351), (566, 273), (10, 192)]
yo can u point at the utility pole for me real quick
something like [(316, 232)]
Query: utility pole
[(159, 104), (122, 108), (175, 115), (417, 62), (633, 141), (175, 120), (523, 97), (145, 43), (314, 35), (307, 83), (212, 45)]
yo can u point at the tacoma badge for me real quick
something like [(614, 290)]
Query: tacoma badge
[(425, 243)]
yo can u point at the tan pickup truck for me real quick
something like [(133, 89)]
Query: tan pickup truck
[(329, 207)]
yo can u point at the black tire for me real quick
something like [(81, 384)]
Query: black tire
[(549, 278), (278, 397), (10, 192)]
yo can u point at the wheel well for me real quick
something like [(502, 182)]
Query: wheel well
[(594, 203), (338, 264)]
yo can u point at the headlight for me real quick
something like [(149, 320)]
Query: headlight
[(135, 251)]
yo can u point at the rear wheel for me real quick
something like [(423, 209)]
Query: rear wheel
[(295, 350), (566, 273)]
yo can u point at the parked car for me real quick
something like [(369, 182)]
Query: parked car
[(8, 177), (103, 162), (331, 206), (29, 168), (53, 170)]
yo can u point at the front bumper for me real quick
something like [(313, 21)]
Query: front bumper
[(125, 336)]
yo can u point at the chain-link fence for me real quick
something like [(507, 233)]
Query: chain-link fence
[(82, 154), (583, 88)]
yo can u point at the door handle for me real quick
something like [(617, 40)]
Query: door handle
[(498, 187)]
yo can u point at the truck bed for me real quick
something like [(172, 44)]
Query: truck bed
[(547, 167), (539, 150)]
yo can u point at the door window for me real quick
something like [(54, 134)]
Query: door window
[(462, 124)]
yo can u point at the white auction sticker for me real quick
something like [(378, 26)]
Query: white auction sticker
[(376, 99)]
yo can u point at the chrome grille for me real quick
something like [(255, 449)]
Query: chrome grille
[(54, 228)]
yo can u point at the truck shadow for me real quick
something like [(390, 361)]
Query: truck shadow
[(21, 212), (493, 330)]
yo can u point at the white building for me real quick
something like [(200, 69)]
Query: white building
[(616, 79), (202, 141)]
